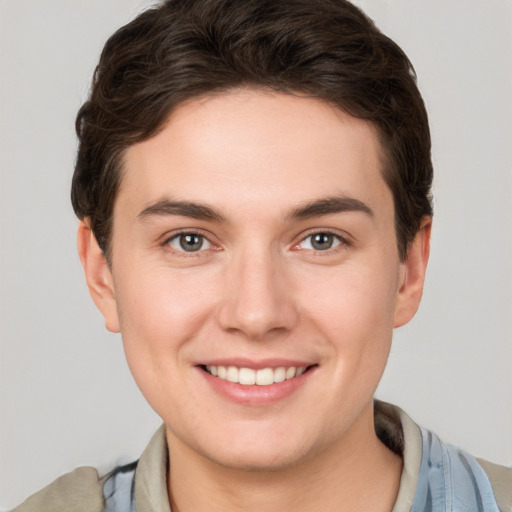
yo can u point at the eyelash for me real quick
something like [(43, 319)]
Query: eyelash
[(340, 241), (184, 253)]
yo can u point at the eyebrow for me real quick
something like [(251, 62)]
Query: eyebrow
[(330, 205), (182, 208), (199, 211)]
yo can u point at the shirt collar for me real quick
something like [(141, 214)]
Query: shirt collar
[(151, 476)]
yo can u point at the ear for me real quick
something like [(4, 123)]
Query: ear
[(413, 275), (98, 276)]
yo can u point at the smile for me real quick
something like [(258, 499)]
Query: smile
[(250, 377)]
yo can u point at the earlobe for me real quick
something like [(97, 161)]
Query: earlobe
[(413, 275), (98, 275)]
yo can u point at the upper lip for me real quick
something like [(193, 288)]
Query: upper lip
[(256, 364)]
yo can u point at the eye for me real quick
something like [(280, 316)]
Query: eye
[(320, 242), (189, 242)]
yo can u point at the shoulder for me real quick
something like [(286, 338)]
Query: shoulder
[(501, 482), (451, 477), (437, 475), (83, 490), (78, 491)]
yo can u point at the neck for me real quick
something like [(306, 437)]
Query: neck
[(357, 473)]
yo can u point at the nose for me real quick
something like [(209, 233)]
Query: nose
[(258, 296)]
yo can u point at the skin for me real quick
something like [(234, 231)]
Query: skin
[(258, 290)]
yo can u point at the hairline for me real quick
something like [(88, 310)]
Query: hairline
[(384, 151)]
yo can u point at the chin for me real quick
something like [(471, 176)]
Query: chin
[(259, 452), (260, 462)]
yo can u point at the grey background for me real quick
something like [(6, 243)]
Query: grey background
[(66, 396)]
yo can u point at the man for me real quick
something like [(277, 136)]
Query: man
[(253, 183)]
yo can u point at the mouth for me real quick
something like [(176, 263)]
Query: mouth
[(250, 377)]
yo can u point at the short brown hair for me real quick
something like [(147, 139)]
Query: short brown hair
[(326, 49)]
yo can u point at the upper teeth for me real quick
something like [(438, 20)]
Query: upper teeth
[(249, 377)]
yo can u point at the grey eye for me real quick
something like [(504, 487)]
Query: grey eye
[(189, 242), (320, 242)]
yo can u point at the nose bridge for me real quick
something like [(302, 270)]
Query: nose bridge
[(257, 297)]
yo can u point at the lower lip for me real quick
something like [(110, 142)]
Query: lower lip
[(256, 395)]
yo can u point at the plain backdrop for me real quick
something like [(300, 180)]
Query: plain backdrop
[(67, 398)]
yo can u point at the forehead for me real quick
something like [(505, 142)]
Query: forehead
[(252, 148)]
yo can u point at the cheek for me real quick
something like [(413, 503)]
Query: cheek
[(160, 310), (354, 297), (161, 315), (354, 314)]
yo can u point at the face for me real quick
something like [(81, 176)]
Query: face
[(255, 276)]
